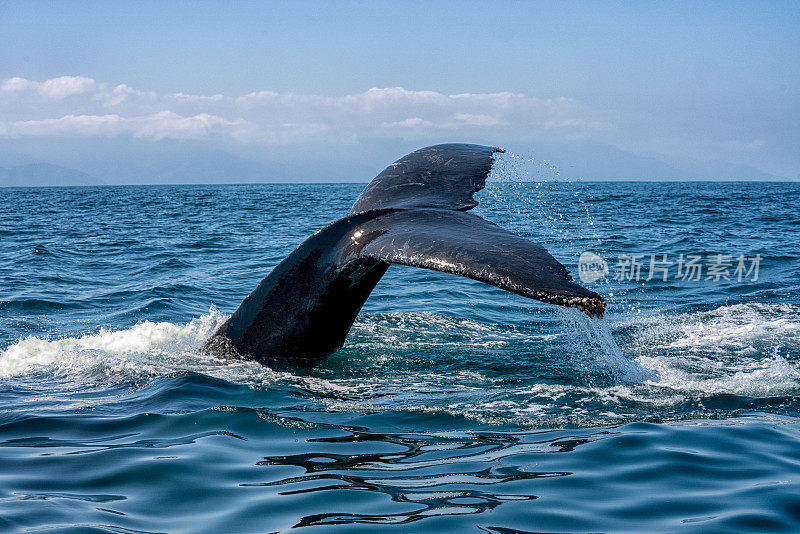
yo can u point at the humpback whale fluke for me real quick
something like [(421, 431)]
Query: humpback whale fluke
[(413, 213)]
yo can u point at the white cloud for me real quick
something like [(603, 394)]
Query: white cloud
[(161, 125), (413, 122), (118, 95), (55, 88), (472, 119), (58, 88), (15, 85), (198, 98), (69, 124), (256, 97), (76, 105)]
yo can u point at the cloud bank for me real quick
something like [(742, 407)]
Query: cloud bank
[(80, 106)]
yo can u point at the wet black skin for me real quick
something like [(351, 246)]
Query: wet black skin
[(413, 213)]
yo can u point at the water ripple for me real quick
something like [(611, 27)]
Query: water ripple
[(453, 406)]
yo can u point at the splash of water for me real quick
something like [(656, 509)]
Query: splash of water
[(593, 341), (661, 365)]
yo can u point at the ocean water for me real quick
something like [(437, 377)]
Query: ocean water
[(453, 406)]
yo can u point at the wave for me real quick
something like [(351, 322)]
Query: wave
[(740, 328), (666, 367), (744, 349), (144, 349)]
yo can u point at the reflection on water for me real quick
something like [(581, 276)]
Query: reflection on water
[(433, 475), (341, 470)]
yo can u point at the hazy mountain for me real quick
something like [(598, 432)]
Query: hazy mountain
[(125, 161), (134, 161), (44, 174), (596, 161)]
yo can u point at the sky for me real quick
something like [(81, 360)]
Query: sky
[(329, 90)]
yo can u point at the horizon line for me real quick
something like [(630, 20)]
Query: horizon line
[(298, 182)]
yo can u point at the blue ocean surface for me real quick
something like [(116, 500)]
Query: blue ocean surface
[(453, 406)]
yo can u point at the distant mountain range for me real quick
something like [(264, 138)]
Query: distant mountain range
[(597, 161), (44, 174), (116, 162)]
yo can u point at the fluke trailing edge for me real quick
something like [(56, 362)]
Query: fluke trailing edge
[(413, 213)]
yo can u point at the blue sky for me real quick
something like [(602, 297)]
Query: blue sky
[(685, 83)]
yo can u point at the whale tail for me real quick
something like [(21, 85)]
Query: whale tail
[(413, 213)]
